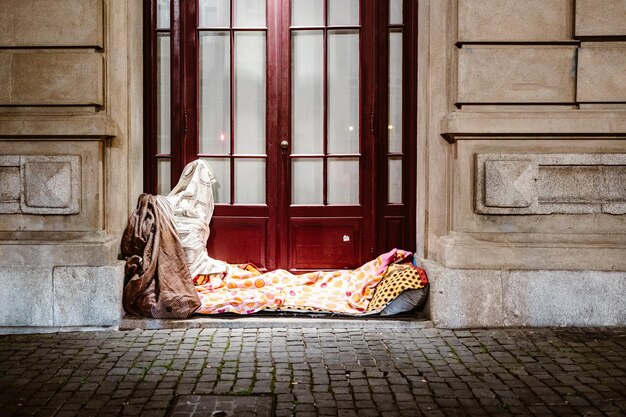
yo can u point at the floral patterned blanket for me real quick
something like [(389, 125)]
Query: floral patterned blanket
[(245, 290)]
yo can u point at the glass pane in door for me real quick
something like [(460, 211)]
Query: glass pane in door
[(307, 12), (249, 13), (395, 91), (343, 91), (343, 181), (343, 12), (221, 170), (214, 93), (164, 99), (250, 181), (307, 129), (307, 181), (249, 93), (214, 13)]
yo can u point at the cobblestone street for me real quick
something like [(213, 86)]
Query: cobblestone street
[(314, 371)]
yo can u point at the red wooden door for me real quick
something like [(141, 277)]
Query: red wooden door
[(280, 97)]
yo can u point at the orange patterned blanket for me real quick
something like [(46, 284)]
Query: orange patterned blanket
[(246, 291)]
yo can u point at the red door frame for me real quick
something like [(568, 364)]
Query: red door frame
[(384, 225)]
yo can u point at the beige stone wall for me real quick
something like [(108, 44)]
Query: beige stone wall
[(70, 155), (525, 150), (540, 83)]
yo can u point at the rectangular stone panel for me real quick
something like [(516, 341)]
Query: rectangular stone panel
[(25, 296), (602, 73), (514, 74), (88, 296), (51, 78), (550, 183), (599, 18), (515, 20), (57, 191), (32, 23)]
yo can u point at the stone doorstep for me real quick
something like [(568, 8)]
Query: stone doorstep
[(302, 321)]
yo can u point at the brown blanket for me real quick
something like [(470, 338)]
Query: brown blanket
[(157, 281)]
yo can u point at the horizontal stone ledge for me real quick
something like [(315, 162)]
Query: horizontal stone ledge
[(468, 251), (59, 252), (75, 127), (519, 125)]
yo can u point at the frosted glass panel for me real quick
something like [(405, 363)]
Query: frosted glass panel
[(395, 92), (250, 92), (163, 14), (395, 180), (164, 100), (343, 12), (343, 181), (214, 13), (214, 93), (249, 13), (250, 181), (221, 170), (395, 11), (306, 181), (164, 176), (307, 12), (307, 96), (343, 92)]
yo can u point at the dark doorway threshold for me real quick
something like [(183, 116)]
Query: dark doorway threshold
[(279, 320)]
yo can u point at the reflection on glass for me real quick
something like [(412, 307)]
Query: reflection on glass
[(249, 13), (250, 181), (164, 176), (249, 92), (343, 12), (343, 181), (343, 91), (221, 170), (164, 102), (163, 14), (306, 182), (214, 13), (307, 95), (214, 93), (395, 92), (395, 11), (307, 12), (395, 181)]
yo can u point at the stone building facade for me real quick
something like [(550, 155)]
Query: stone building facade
[(521, 150)]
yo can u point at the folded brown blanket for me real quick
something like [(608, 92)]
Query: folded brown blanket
[(157, 282)]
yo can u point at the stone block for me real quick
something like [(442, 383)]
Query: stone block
[(601, 73), (514, 74), (515, 20), (596, 18), (464, 298), (25, 296), (32, 23), (564, 298), (51, 184), (51, 78), (550, 183), (43, 205), (510, 183), (88, 296)]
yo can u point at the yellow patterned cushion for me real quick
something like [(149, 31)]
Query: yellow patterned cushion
[(399, 278)]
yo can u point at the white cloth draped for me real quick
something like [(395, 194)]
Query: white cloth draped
[(191, 205)]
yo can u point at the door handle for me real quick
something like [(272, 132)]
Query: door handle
[(284, 144)]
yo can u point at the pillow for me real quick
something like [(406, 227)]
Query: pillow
[(407, 301), (398, 279)]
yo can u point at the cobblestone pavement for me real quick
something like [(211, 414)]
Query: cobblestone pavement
[(345, 372)]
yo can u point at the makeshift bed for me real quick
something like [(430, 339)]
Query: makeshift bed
[(170, 275)]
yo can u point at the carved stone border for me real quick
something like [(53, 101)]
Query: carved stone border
[(40, 184), (550, 183)]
